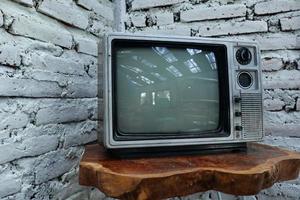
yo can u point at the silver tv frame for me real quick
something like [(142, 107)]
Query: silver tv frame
[(251, 98)]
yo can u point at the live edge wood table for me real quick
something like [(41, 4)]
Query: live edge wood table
[(236, 173)]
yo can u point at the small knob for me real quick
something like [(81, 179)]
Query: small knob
[(238, 114), (243, 56), (238, 128), (237, 99)]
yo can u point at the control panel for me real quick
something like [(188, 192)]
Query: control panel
[(247, 96)]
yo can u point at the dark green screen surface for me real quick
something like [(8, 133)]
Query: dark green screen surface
[(166, 90)]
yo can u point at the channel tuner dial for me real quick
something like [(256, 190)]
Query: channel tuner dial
[(243, 56)]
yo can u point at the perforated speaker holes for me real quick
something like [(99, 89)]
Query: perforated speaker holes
[(245, 80)]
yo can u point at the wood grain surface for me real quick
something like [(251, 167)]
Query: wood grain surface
[(238, 173)]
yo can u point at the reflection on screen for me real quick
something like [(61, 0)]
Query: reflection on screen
[(166, 90)]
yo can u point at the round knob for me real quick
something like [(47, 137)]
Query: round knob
[(243, 56), (245, 79)]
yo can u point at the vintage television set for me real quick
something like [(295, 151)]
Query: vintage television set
[(180, 94)]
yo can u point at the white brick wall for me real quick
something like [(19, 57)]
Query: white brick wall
[(10, 184), (105, 9), (138, 20), (164, 18), (288, 24), (272, 64), (66, 11), (272, 23), (48, 94), (229, 28), (285, 79), (200, 13), (48, 74), (276, 6)]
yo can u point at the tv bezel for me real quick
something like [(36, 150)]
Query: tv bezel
[(220, 52), (106, 136)]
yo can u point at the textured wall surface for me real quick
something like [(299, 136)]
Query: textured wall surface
[(48, 76), (274, 24), (48, 94)]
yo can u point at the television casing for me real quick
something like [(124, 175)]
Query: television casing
[(247, 101)]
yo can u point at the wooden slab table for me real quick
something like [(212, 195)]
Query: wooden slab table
[(236, 173)]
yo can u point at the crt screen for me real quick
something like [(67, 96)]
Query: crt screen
[(166, 90)]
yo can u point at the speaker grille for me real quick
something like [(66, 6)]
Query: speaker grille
[(251, 107)]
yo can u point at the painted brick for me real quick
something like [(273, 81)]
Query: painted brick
[(82, 89), (12, 121), (65, 111), (287, 191), (9, 184), (272, 64), (199, 13), (288, 24), (281, 117), (89, 62), (164, 18), (29, 147), (232, 28), (137, 4), (46, 169), (103, 8), (61, 79), (42, 30), (82, 133), (286, 79), (285, 142), (26, 22), (177, 29), (86, 44), (278, 41), (71, 187), (99, 28), (273, 104), (25, 2), (57, 64), (276, 6), (290, 190), (23, 47), (28, 88), (284, 130), (138, 20), (10, 54), (287, 56), (66, 11), (287, 96), (286, 42), (31, 132), (4, 135), (73, 86), (59, 115)]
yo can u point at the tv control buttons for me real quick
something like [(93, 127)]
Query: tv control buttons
[(238, 114), (238, 128), (245, 80), (237, 99), (243, 56)]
